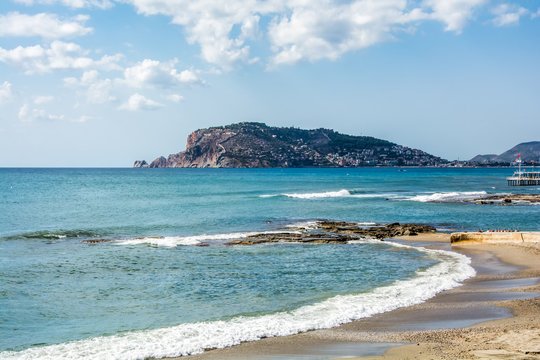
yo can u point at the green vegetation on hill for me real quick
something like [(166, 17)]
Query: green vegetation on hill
[(253, 144)]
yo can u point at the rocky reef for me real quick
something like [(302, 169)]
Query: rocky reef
[(256, 145), (507, 199), (96, 241), (336, 232), (321, 232), (498, 199)]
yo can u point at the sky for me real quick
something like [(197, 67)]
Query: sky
[(102, 83)]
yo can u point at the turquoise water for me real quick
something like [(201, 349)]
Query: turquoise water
[(135, 202), (55, 289)]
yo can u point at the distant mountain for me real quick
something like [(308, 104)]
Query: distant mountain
[(530, 151), (256, 145), (484, 159)]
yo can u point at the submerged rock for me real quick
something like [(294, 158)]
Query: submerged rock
[(320, 238), (96, 241), (507, 199)]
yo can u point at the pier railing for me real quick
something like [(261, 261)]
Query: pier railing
[(524, 178)]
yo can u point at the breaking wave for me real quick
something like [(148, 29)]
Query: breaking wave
[(173, 241), (449, 196), (192, 338), (328, 194), (309, 225)]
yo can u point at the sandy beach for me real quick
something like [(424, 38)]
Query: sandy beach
[(494, 315)]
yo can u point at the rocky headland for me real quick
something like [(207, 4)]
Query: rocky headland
[(256, 145)]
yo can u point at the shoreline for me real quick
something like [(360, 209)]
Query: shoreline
[(514, 337), (491, 314)]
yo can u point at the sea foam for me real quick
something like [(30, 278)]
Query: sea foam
[(327, 194), (449, 196), (173, 241), (192, 338)]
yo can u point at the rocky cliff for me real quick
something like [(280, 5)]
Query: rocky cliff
[(255, 145)]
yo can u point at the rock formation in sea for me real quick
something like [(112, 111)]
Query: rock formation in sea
[(256, 145), (337, 232), (140, 164)]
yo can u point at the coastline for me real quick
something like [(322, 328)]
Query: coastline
[(514, 337), (169, 236), (493, 314)]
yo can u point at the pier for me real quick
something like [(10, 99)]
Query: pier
[(524, 178)]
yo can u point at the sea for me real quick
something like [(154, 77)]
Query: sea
[(165, 283)]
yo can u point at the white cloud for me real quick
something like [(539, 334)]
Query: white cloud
[(324, 30), (58, 55), (27, 114), (175, 98), (98, 90), (147, 74), (5, 92), (506, 14), (38, 100), (138, 102), (44, 25), (82, 119), (300, 29), (210, 24), (536, 14), (454, 13), (102, 4), (152, 73)]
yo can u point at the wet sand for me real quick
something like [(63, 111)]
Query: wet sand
[(496, 314)]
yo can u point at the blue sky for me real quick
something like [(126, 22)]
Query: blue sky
[(106, 82)]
